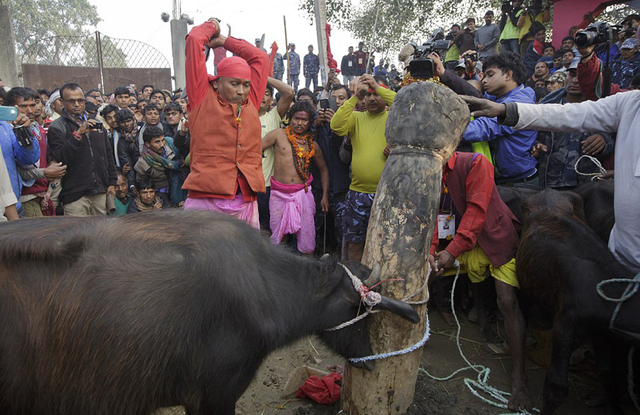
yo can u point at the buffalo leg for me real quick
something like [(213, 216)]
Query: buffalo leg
[(514, 325), (606, 367), (556, 386)]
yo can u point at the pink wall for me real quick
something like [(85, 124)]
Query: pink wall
[(567, 13)]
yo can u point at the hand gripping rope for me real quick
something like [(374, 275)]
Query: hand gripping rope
[(594, 176)]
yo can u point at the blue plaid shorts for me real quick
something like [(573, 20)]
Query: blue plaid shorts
[(356, 216)]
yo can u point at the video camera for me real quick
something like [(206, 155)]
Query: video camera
[(422, 66), (598, 32), (506, 7)]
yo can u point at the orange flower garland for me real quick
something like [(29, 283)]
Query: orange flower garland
[(301, 157)]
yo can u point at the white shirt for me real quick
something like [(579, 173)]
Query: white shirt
[(618, 113), (269, 122)]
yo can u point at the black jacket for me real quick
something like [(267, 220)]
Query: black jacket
[(344, 66), (90, 164)]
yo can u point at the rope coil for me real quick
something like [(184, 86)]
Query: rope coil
[(594, 176), (500, 398)]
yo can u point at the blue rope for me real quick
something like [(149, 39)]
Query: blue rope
[(630, 291), (425, 338)]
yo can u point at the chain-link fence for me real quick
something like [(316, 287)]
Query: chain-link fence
[(108, 55)]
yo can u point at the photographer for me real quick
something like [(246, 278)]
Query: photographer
[(590, 69), (534, 13), (17, 152), (453, 53), (510, 36), (465, 40), (472, 67), (82, 144)]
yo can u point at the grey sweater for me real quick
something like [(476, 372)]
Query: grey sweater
[(488, 37)]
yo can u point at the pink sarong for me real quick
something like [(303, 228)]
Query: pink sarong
[(292, 211), (238, 208)]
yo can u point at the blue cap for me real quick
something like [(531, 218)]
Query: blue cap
[(630, 43)]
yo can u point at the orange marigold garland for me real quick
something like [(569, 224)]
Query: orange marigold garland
[(301, 156)]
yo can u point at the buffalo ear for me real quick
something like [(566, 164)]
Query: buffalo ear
[(399, 308), (577, 204)]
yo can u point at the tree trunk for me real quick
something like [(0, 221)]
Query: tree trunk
[(425, 125)]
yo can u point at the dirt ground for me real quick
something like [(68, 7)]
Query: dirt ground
[(440, 357)]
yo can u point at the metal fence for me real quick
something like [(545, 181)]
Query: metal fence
[(94, 61)]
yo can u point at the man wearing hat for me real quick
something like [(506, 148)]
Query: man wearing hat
[(486, 37), (627, 64), (258, 43), (226, 145), (294, 66)]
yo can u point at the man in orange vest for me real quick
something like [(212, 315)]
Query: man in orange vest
[(226, 144)]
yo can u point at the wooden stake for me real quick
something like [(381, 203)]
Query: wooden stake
[(425, 125), (286, 43)]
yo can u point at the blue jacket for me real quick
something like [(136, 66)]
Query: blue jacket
[(624, 71), (14, 155), (510, 148), (557, 165)]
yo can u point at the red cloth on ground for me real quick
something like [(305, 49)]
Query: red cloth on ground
[(324, 391)]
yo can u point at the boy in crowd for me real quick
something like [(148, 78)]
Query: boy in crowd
[(158, 162), (147, 199), (122, 97)]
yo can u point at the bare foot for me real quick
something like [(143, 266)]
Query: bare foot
[(519, 399)]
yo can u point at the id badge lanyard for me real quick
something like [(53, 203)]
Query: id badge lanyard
[(446, 217)]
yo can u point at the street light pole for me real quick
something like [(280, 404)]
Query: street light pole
[(319, 8)]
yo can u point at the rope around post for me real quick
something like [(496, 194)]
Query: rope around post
[(500, 398), (594, 176)]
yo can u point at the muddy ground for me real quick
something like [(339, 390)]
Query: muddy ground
[(440, 357)]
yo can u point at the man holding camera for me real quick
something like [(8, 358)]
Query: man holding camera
[(534, 13), (510, 36), (83, 146), (465, 39)]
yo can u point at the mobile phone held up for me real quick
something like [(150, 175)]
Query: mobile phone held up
[(8, 113), (324, 104), (333, 104)]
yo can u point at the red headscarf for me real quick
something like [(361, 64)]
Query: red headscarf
[(233, 67)]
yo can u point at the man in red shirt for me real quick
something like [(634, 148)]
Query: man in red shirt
[(362, 59), (226, 144), (486, 240)]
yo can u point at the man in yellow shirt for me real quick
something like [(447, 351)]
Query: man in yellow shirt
[(534, 13), (366, 132)]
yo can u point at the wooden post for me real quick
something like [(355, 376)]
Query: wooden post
[(286, 46), (425, 125), (320, 7)]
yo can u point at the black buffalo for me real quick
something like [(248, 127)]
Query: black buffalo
[(560, 261), (122, 316)]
